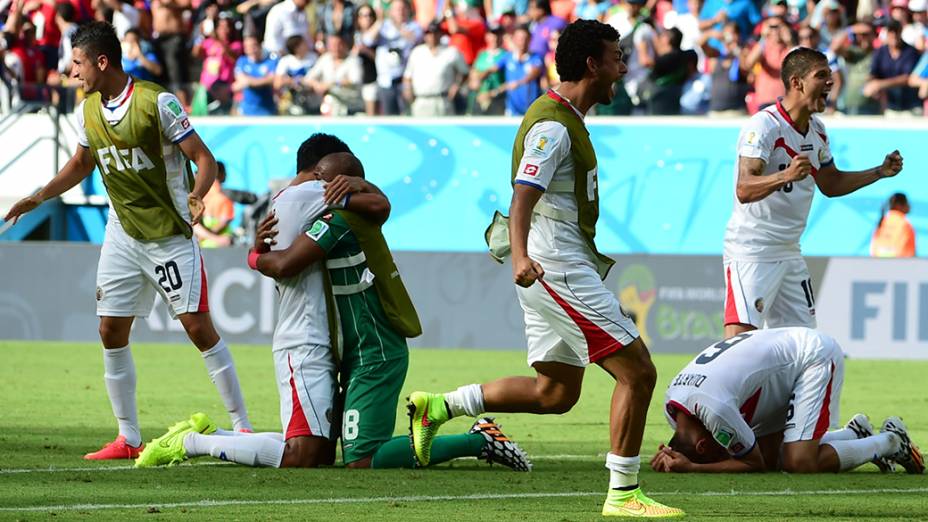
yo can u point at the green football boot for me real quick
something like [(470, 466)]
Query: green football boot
[(636, 504), (168, 449), (427, 412)]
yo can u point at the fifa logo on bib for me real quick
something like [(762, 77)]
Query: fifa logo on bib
[(134, 158)]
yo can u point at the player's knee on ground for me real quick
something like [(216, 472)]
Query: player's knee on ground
[(308, 452), (361, 463), (797, 463)]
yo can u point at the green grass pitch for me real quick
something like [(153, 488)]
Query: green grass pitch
[(54, 409)]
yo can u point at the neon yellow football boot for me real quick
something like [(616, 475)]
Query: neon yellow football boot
[(168, 449), (636, 504), (427, 412)]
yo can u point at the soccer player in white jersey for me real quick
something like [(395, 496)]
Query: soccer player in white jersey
[(763, 401), (304, 364), (783, 154), (140, 139), (571, 319)]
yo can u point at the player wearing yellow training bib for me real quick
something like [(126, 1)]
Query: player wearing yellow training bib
[(139, 138)]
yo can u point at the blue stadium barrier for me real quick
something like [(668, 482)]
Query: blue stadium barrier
[(665, 184)]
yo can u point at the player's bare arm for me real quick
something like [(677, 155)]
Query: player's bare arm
[(754, 186), (669, 461), (524, 270), (833, 182), (76, 169), (366, 198), (197, 152), (281, 264)]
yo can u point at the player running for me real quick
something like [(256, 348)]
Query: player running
[(763, 400), (571, 318), (140, 139), (766, 277)]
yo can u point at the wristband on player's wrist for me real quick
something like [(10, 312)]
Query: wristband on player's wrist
[(347, 199), (253, 259)]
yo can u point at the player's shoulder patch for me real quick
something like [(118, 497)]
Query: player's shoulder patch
[(318, 229), (724, 436)]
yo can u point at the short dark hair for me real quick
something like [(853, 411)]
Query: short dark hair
[(544, 5), (676, 37), (680, 445), (65, 10), (293, 43), (581, 40), (317, 147), (96, 38), (799, 62)]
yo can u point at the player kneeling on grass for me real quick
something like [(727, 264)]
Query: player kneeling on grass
[(375, 319), (763, 401)]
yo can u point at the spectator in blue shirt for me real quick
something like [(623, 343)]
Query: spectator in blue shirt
[(743, 12), (889, 72), (136, 62), (521, 73), (254, 79)]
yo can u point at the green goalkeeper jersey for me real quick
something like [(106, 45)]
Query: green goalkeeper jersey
[(367, 336)]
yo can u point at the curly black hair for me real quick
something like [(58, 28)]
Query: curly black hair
[(317, 147), (799, 62), (96, 38), (581, 40)]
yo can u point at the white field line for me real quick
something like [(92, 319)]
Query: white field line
[(487, 496), (15, 471)]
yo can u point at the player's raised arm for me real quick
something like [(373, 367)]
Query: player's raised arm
[(754, 186), (197, 152), (76, 169), (833, 182)]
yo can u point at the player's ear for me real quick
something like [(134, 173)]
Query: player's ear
[(702, 446)]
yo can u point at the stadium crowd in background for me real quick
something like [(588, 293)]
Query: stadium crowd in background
[(441, 57)]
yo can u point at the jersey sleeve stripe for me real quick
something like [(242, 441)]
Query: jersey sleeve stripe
[(183, 136), (530, 184)]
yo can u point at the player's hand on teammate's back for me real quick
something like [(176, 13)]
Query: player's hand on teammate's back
[(798, 168), (21, 207), (892, 164), (264, 238), (341, 186), (196, 208), (526, 271), (667, 460)]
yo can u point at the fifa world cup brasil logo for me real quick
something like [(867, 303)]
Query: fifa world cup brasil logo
[(637, 292)]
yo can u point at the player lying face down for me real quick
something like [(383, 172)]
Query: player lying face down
[(763, 401)]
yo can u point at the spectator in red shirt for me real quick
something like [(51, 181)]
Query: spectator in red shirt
[(467, 29), (48, 36), (775, 42), (32, 86)]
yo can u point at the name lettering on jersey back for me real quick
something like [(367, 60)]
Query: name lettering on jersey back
[(689, 379), (122, 159)]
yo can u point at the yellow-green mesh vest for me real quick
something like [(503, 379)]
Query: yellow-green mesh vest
[(387, 282), (586, 186), (134, 172)]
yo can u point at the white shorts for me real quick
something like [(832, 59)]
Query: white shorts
[(130, 272), (572, 318), (307, 386), (814, 407), (770, 294)]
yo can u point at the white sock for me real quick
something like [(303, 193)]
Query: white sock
[(250, 450), (119, 375), (226, 433), (623, 471), (221, 370), (853, 453), (466, 399), (842, 434)]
